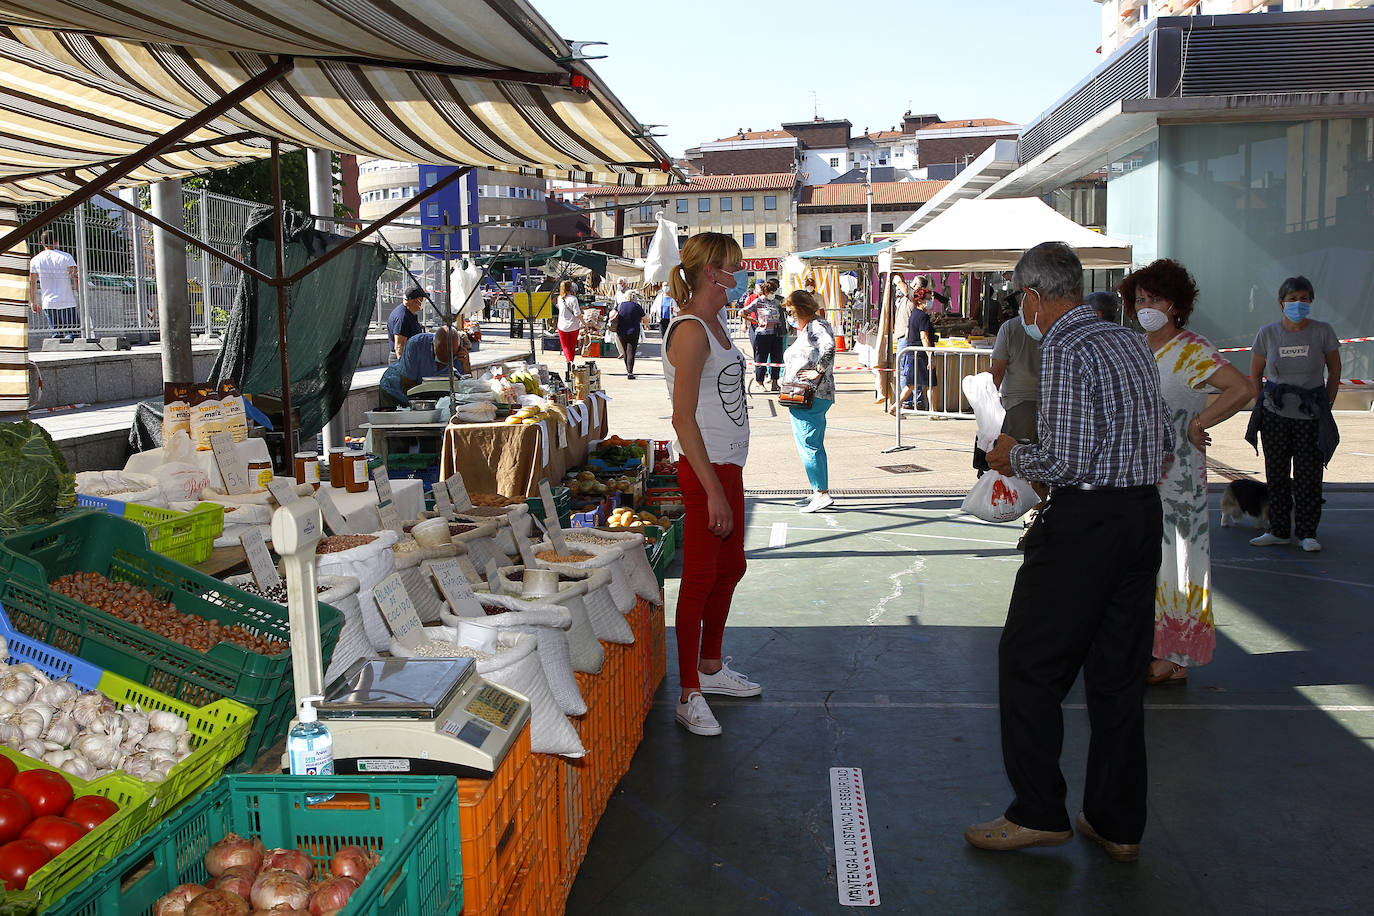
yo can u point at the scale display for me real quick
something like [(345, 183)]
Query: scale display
[(495, 706)]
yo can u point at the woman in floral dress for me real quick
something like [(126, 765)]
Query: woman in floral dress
[(1161, 297)]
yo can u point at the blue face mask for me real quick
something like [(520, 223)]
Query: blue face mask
[(1297, 311), (1032, 331), (741, 285)]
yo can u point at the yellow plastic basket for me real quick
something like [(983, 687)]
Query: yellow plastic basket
[(187, 537)]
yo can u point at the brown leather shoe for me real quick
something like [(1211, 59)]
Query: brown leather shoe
[(1003, 834), (1121, 852)]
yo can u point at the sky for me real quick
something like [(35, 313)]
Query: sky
[(705, 68)]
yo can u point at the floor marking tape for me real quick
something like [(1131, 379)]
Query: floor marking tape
[(856, 874), (1291, 575), (890, 704), (777, 535)]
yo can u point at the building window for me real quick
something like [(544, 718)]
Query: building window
[(885, 227), (748, 240), (395, 193), (429, 179), (510, 191), (770, 203), (746, 203), (681, 241), (834, 162), (827, 234), (703, 205), (682, 205), (726, 204), (770, 240), (432, 210), (882, 160), (856, 232), (646, 213)]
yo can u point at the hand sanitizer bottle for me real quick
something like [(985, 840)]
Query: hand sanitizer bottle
[(309, 746)]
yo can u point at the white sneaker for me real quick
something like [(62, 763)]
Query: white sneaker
[(1311, 545), (695, 716), (804, 501), (729, 682), (1268, 539), (818, 502)]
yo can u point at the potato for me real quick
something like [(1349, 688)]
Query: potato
[(586, 475)]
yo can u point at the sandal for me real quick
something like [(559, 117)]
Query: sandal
[(1173, 674)]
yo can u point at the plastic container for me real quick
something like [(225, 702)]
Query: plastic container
[(562, 502), (308, 468), (411, 820), (337, 474), (187, 537), (98, 542), (259, 474), (309, 746)]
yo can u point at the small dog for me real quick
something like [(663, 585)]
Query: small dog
[(1245, 498)]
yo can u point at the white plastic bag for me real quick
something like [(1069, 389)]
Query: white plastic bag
[(663, 253), (994, 498)]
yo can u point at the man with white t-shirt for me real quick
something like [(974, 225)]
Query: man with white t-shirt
[(52, 273)]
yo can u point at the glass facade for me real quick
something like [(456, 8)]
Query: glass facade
[(1244, 205)]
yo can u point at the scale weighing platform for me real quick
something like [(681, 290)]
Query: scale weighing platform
[(418, 716)]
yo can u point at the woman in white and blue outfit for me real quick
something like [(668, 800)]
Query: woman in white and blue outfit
[(811, 358)]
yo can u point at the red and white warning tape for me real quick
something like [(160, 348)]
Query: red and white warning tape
[(1344, 340)]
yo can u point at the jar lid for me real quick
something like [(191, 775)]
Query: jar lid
[(307, 455), (338, 448)]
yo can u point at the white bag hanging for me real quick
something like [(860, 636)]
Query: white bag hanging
[(663, 253), (994, 498)]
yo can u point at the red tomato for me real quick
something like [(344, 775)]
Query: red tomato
[(45, 791), (56, 833), (91, 810), (7, 771), (19, 859), (15, 815)]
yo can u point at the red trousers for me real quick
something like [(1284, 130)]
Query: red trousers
[(568, 341), (711, 568)]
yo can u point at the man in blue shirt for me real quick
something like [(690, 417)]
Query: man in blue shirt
[(403, 323), (425, 355)]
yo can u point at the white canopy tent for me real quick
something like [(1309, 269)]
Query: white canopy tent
[(992, 234)]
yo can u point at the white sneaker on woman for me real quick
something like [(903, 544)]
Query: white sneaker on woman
[(695, 716), (1311, 545), (1268, 539), (728, 682), (818, 502)]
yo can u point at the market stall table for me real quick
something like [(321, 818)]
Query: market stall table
[(511, 460)]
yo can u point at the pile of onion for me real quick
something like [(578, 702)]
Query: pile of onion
[(248, 879)]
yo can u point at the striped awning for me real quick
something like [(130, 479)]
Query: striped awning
[(457, 82)]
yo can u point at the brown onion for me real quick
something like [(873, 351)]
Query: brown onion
[(233, 850), (217, 903), (331, 894), (237, 880), (174, 902), (281, 911), (278, 887), (353, 862), (292, 860)]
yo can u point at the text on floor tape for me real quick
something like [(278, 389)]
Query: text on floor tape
[(856, 872)]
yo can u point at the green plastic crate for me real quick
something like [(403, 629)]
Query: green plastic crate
[(562, 501), (187, 537), (84, 857), (94, 541), (411, 820), (408, 461)]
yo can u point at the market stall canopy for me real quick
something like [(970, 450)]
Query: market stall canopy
[(993, 233), (845, 255), (457, 82), (592, 260)]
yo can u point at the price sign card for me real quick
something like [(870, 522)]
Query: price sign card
[(555, 529), (399, 611), (458, 492), (493, 578), (443, 503), (283, 490), (259, 560), (523, 543), (562, 434), (383, 481), (232, 470), (333, 518), (389, 517), (457, 589)]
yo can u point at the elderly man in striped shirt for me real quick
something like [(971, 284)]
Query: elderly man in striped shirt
[(1084, 596)]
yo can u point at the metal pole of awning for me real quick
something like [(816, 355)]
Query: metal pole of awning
[(282, 284)]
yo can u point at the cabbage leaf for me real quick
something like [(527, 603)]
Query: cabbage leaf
[(34, 482)]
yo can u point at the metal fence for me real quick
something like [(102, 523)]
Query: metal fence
[(117, 285)]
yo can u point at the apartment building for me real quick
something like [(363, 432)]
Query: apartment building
[(841, 212), (1122, 19)]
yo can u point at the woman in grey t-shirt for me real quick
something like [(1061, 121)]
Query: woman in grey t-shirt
[(1296, 369)]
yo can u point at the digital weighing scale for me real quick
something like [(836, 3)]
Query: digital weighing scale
[(423, 716)]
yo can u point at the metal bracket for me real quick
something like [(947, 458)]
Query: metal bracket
[(577, 54), (646, 131)]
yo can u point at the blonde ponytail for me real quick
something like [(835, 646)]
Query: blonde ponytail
[(706, 249)]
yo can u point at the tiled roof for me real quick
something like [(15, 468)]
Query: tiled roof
[(708, 184), (756, 135), (887, 192), (967, 122)]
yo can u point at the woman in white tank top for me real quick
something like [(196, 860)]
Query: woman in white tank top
[(705, 375)]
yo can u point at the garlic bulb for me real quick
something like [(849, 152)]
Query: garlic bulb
[(135, 727), (56, 693), (88, 706), (158, 773), (160, 741), (32, 747), (63, 731), (57, 758), (184, 745), (4, 649), (137, 765), (17, 687), (11, 735), (6, 707), (161, 720), (98, 749), (79, 767)]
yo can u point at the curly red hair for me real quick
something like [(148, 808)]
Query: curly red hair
[(1167, 279)]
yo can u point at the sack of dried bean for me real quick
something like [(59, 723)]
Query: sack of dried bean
[(369, 558)]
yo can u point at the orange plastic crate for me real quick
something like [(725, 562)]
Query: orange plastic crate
[(494, 823)]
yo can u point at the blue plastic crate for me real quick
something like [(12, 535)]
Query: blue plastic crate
[(112, 506), (591, 518), (53, 662)]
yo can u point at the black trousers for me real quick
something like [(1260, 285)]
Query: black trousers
[(1084, 599), (1290, 444), (768, 348), (629, 346)]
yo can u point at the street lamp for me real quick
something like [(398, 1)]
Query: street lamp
[(868, 190)]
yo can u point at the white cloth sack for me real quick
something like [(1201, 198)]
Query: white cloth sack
[(995, 497), (603, 557), (517, 665), (635, 560), (341, 594), (515, 517), (123, 486), (370, 564), (663, 253), (549, 623), (588, 655)]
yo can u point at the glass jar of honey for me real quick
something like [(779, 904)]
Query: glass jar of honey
[(355, 471), (259, 474), (337, 474), (308, 468)]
